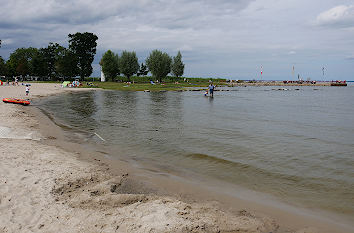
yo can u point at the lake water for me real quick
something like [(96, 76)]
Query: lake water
[(297, 145)]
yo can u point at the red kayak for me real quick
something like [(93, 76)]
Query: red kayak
[(16, 101)]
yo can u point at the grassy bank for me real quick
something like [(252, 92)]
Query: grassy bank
[(148, 86)]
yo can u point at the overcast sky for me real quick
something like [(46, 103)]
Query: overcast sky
[(225, 38)]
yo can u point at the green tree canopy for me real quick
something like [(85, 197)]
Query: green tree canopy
[(110, 65), (19, 62), (45, 59), (66, 64), (3, 67), (177, 67), (51, 55), (128, 64), (38, 64), (143, 71), (159, 64), (83, 45)]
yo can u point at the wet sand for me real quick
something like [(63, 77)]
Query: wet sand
[(49, 184)]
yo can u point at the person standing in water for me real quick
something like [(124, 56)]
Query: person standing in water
[(211, 89)]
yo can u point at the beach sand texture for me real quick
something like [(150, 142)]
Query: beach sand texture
[(44, 188)]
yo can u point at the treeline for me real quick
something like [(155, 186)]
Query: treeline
[(167, 79), (160, 64), (54, 61)]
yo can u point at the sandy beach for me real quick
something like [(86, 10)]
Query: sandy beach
[(48, 184)]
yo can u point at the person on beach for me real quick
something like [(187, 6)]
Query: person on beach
[(211, 89), (16, 81), (27, 89)]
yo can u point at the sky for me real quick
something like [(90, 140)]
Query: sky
[(225, 38)]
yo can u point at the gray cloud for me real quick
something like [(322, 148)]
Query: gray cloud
[(350, 58), (339, 16), (221, 38)]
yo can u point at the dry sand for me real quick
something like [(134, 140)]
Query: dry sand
[(44, 188)]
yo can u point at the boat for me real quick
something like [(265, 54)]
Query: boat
[(16, 101), (338, 83)]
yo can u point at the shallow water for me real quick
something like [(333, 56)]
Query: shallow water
[(297, 145)]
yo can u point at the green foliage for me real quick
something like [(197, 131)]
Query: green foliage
[(177, 66), (143, 71), (3, 67), (83, 45), (19, 62), (135, 79), (110, 66), (45, 60), (51, 55), (128, 64), (159, 64), (66, 64), (142, 86), (39, 67)]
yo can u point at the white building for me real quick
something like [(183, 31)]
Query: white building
[(103, 79)]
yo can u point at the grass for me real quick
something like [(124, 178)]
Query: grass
[(147, 86), (165, 86)]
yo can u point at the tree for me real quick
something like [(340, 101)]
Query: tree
[(128, 64), (66, 65), (143, 70), (39, 67), (83, 45), (177, 65), (110, 65), (50, 56), (3, 68), (159, 64), (19, 62)]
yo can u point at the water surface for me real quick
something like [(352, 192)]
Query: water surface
[(297, 145)]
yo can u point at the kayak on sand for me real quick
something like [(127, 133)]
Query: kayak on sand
[(16, 101)]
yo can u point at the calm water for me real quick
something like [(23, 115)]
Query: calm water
[(297, 145)]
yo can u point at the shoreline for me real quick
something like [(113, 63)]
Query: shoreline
[(191, 208)]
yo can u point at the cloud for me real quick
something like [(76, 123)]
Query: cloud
[(163, 12), (350, 57), (228, 37), (119, 23), (339, 16), (7, 41)]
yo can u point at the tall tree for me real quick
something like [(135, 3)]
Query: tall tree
[(177, 67), (159, 64), (143, 71), (3, 67), (110, 65), (66, 64), (83, 45), (128, 64), (38, 64), (19, 62), (50, 55)]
